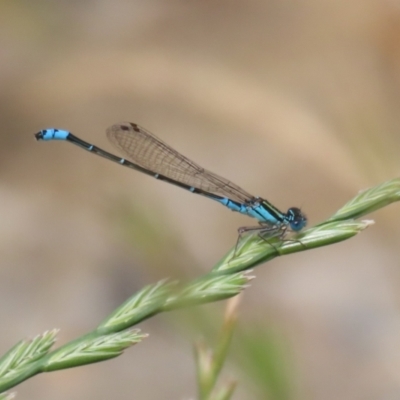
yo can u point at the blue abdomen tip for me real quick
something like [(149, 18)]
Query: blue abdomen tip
[(52, 134)]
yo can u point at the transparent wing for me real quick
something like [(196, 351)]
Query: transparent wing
[(146, 150)]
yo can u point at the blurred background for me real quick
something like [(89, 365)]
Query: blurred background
[(295, 101)]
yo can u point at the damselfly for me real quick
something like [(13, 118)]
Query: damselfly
[(148, 154)]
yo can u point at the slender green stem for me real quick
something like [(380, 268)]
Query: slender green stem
[(210, 363)]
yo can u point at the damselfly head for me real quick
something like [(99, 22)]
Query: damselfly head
[(297, 220)]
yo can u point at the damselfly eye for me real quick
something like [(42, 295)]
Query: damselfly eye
[(297, 220)]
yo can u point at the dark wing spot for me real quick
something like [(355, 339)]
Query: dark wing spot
[(135, 127)]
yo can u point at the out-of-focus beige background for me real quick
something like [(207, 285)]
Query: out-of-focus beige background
[(295, 101)]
